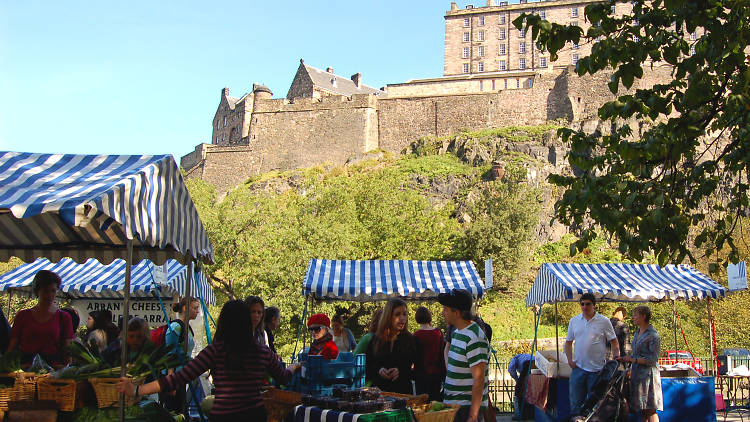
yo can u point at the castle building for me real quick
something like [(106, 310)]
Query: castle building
[(493, 77)]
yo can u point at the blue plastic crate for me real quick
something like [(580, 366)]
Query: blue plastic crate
[(319, 374)]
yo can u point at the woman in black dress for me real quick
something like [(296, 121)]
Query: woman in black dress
[(392, 352)]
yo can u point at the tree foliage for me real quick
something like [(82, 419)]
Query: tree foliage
[(690, 167)]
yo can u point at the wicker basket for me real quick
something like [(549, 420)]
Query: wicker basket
[(411, 401), (106, 392), (25, 388), (279, 403), (422, 413), (64, 392), (7, 393)]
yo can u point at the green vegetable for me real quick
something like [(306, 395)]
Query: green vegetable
[(10, 362)]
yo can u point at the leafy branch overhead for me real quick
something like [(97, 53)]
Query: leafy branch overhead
[(683, 179)]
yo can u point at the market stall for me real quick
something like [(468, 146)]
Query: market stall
[(99, 206), (92, 285), (368, 281), (628, 283)]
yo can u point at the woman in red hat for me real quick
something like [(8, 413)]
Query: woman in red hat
[(322, 343)]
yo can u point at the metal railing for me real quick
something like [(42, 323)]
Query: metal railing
[(501, 386)]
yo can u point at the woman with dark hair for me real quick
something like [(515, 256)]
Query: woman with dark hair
[(257, 310), (645, 381), (237, 363), (364, 341), (391, 353), (101, 332), (430, 365), (272, 322), (43, 329)]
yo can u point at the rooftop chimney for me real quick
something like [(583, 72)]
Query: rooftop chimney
[(329, 70), (357, 79), (490, 3), (454, 6), (225, 91)]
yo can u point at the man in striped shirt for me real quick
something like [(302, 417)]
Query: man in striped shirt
[(467, 356)]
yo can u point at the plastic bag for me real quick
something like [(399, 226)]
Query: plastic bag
[(61, 373), (39, 366)]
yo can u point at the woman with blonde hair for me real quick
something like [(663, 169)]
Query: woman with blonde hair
[(392, 352), (645, 381)]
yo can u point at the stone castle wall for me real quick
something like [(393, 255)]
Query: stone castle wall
[(285, 135)]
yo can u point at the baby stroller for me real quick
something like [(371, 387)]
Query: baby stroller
[(606, 402)]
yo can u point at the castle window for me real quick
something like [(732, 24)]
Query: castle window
[(530, 83), (522, 33), (574, 23), (543, 14), (480, 67), (693, 36), (573, 12), (466, 22), (501, 50), (502, 34), (636, 38), (574, 59), (575, 46), (522, 63), (481, 35), (493, 84), (502, 19), (481, 85), (506, 83), (466, 37), (614, 9), (502, 66), (481, 51), (466, 68), (522, 48), (225, 121), (481, 21), (692, 50), (465, 54), (518, 83), (542, 62)]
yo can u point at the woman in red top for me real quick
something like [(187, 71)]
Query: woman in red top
[(322, 344), (43, 329), (430, 365)]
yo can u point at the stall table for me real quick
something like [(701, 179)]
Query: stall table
[(316, 414), (690, 398)]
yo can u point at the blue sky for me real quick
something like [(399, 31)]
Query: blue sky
[(144, 77)]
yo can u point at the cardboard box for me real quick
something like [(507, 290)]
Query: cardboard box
[(545, 360)]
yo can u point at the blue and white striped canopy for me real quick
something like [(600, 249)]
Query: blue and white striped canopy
[(95, 280), (365, 281), (87, 206), (620, 282)]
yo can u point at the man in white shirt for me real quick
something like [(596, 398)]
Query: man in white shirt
[(590, 331)]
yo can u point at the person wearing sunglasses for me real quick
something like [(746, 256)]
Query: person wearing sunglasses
[(590, 331), (318, 325)]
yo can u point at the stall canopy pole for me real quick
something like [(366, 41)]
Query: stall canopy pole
[(188, 283), (557, 340), (674, 326), (125, 317), (711, 336), (10, 298)]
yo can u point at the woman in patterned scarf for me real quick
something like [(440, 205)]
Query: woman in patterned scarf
[(322, 343)]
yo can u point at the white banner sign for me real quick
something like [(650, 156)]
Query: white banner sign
[(150, 310), (737, 276)]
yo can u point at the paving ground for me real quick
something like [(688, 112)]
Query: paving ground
[(732, 417)]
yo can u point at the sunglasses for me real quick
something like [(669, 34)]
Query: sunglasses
[(314, 329), (587, 304)]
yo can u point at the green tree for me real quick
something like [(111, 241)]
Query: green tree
[(689, 167)]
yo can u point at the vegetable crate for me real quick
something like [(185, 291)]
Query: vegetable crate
[(347, 369), (106, 392), (424, 413), (65, 393)]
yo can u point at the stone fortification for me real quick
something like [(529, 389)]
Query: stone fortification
[(284, 134)]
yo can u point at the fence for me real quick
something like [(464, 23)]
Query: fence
[(502, 386)]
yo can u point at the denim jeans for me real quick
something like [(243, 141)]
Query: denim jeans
[(581, 383)]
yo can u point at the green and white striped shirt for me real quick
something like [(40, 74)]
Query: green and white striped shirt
[(468, 348)]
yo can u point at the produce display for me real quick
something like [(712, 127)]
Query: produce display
[(355, 400), (10, 362), (89, 364), (148, 412)]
